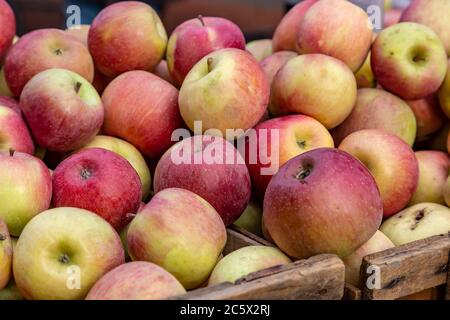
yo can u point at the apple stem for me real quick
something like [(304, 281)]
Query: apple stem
[(78, 87), (210, 61), (11, 152), (200, 17)]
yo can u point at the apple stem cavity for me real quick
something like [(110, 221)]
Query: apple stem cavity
[(303, 173), (78, 87), (85, 174), (11, 152), (58, 52), (302, 144), (200, 17), (210, 61), (64, 258)]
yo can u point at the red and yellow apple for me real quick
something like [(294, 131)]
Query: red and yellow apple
[(444, 93), (81, 32), (6, 252), (429, 116), (14, 133), (162, 71), (260, 49), (273, 63)]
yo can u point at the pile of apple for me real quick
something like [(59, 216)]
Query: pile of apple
[(90, 114)]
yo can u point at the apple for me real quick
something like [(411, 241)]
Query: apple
[(136, 281), (45, 49), (10, 293), (10, 102), (429, 116), (63, 110), (244, 261), (364, 76), (324, 90), (100, 181), (285, 36), (62, 252), (129, 152), (8, 30), (196, 38), (5, 255), (336, 28), (4, 89), (251, 219), (25, 189), (265, 233), (379, 242), (296, 134), (432, 13), (433, 172), (322, 201), (273, 63), (439, 140), (81, 32), (14, 133), (392, 163), (409, 60), (260, 49), (162, 71), (181, 232), (444, 93), (392, 17), (418, 222), (210, 167), (446, 191), (127, 36), (227, 89), (378, 109), (155, 115)]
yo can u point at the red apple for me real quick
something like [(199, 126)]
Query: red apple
[(322, 201), (392, 163), (324, 90), (210, 167), (336, 28), (127, 36), (297, 134), (378, 109), (226, 90), (14, 133), (10, 103), (196, 38), (285, 36), (409, 60), (8, 29), (162, 71), (429, 116), (63, 110), (392, 17), (45, 49), (432, 13), (136, 281), (155, 114), (272, 64), (100, 181)]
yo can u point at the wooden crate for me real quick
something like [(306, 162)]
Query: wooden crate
[(320, 277)]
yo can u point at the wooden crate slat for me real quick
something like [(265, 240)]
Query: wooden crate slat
[(320, 277), (408, 269)]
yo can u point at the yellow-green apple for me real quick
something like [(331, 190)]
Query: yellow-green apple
[(14, 133), (4, 89), (444, 93), (6, 251), (181, 232), (155, 113), (273, 63), (251, 219), (10, 292), (364, 76), (326, 28), (429, 116), (379, 242), (446, 191), (434, 169), (244, 261), (409, 60), (196, 38), (243, 87), (418, 222), (285, 36), (10, 102), (25, 189), (81, 32), (62, 252), (8, 30), (260, 49), (324, 90), (210, 167), (129, 152), (45, 49), (295, 134), (127, 36), (432, 13), (162, 71), (137, 280), (378, 109), (392, 163), (63, 110), (100, 181), (322, 201)]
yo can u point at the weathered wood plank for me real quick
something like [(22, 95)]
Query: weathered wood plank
[(407, 269), (320, 277)]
